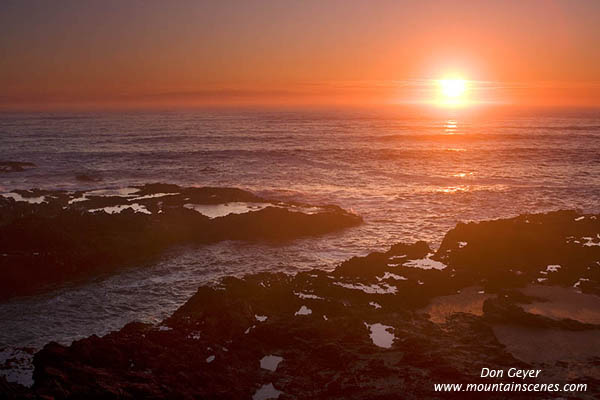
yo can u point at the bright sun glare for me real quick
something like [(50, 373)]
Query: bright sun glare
[(453, 88), (452, 92)]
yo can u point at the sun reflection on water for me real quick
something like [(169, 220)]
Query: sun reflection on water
[(454, 189), (451, 127), (462, 174)]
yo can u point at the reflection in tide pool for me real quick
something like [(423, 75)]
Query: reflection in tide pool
[(221, 210), (266, 392), (381, 335), (270, 362)]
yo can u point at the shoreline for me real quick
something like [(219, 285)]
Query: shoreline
[(352, 311)]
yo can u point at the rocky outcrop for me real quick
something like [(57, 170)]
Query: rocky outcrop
[(49, 237), (559, 248), (362, 330)]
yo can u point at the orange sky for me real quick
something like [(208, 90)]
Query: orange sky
[(71, 54)]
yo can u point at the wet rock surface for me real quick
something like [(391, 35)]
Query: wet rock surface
[(361, 331), (51, 237)]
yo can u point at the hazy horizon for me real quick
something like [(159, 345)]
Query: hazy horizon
[(76, 55)]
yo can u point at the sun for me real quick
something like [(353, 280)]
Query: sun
[(452, 92), (453, 88)]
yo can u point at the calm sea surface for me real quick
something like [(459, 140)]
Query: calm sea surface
[(410, 175)]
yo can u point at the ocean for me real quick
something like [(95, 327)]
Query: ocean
[(411, 175)]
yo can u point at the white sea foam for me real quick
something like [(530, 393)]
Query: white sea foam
[(21, 363), (388, 275), (590, 241), (308, 296), (552, 268), (153, 196), (382, 288), (425, 263)]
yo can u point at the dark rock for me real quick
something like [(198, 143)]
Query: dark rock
[(88, 177), (14, 166), (211, 347), (517, 250), (333, 358), (13, 391), (59, 236)]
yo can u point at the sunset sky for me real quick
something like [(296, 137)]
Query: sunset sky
[(186, 53)]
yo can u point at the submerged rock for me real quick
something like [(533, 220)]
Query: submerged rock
[(50, 237), (88, 177), (347, 349), (14, 166)]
